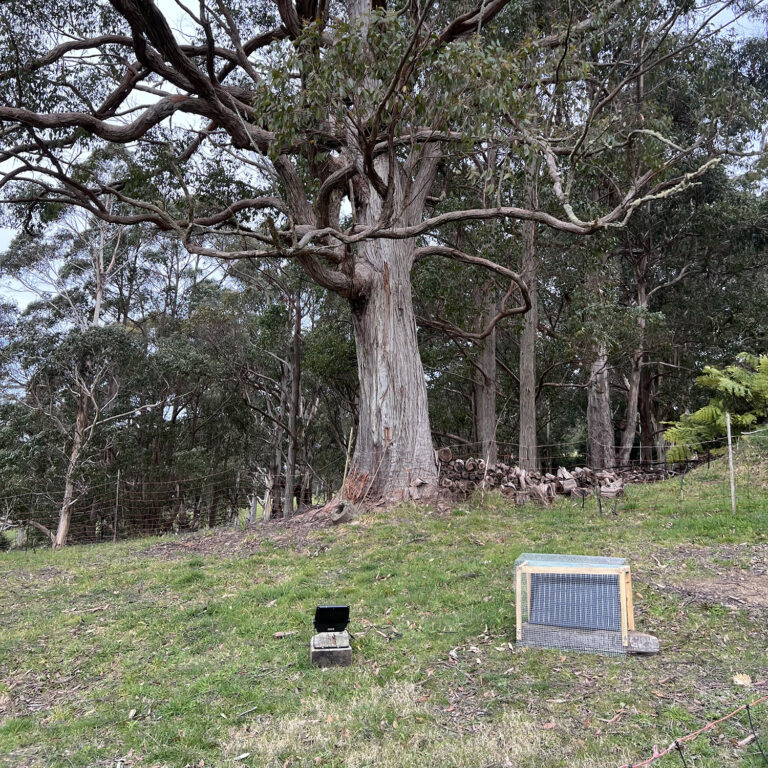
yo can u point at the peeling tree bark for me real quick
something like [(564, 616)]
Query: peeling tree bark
[(65, 515), (485, 383), (601, 453), (393, 458), (528, 445)]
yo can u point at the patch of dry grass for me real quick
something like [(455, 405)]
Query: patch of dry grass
[(384, 727)]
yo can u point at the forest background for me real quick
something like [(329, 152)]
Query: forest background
[(194, 376)]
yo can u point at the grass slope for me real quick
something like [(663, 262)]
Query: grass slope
[(163, 652)]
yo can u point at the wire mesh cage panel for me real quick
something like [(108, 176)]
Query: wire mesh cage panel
[(573, 602)]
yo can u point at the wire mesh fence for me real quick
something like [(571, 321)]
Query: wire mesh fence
[(126, 507), (123, 505)]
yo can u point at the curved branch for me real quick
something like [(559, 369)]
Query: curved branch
[(256, 204), (40, 527), (515, 282), (61, 50), (332, 279), (470, 21), (290, 18), (119, 134), (337, 179)]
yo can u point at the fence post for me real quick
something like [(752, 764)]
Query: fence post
[(117, 502), (730, 462)]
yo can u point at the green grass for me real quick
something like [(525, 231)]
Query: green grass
[(155, 654)]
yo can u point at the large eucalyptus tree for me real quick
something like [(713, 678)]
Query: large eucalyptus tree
[(318, 131)]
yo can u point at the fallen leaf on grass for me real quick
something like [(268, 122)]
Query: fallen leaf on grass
[(547, 726), (243, 756), (286, 634), (742, 679), (89, 610), (615, 718), (660, 695)]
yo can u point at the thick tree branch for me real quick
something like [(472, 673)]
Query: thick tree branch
[(515, 282)]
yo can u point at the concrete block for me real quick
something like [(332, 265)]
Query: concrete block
[(331, 649), (639, 642)]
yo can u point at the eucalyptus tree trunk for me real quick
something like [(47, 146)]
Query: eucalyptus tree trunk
[(633, 382), (601, 452), (633, 391), (273, 498), (294, 369), (393, 458), (78, 440), (528, 445), (485, 383), (648, 422), (253, 501)]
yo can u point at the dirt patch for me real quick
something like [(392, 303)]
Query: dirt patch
[(734, 590), (295, 534), (29, 693), (733, 575)]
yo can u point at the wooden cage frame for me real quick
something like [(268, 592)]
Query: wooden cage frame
[(621, 572)]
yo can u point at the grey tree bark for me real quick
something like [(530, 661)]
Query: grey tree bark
[(528, 445), (633, 382), (78, 440), (294, 371), (393, 456), (649, 431), (394, 459), (601, 453), (485, 382)]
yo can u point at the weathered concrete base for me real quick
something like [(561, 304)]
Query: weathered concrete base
[(587, 640), (639, 642), (330, 649), (569, 639)]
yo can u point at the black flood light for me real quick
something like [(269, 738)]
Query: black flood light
[(330, 646), (331, 618)]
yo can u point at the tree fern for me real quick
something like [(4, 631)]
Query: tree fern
[(740, 389)]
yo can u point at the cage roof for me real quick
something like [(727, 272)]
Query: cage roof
[(558, 561)]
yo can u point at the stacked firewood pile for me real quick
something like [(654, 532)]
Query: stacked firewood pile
[(459, 478)]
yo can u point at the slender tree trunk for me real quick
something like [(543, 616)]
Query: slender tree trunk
[(600, 446), (485, 383), (273, 496), (266, 512), (630, 427), (647, 415), (393, 458), (294, 365), (253, 506), (528, 445), (65, 515)]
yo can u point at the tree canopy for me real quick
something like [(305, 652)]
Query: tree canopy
[(318, 145)]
